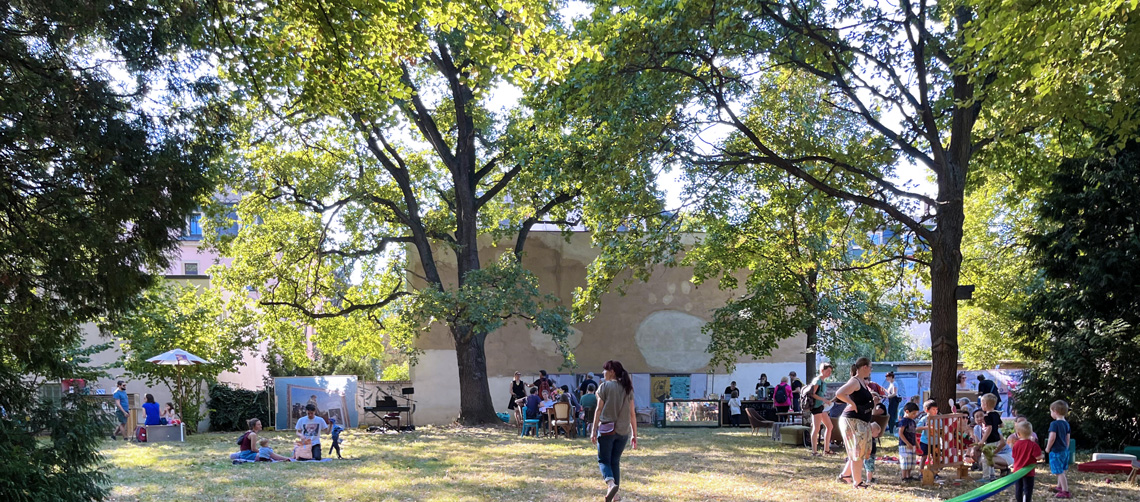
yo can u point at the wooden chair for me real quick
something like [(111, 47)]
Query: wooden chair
[(563, 420), (947, 447), (755, 421)]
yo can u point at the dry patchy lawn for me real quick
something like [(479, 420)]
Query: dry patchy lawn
[(494, 464)]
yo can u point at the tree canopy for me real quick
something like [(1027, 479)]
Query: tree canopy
[(94, 184), (377, 156)]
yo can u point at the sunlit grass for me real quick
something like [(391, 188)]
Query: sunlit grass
[(491, 464)]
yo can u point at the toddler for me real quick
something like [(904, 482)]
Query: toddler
[(996, 451), (1025, 454), (1058, 447), (336, 430), (931, 408), (265, 453), (734, 406), (907, 443), (869, 462)]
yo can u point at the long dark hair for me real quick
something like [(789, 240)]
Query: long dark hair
[(621, 374), (149, 398)]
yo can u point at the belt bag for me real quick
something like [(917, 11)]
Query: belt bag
[(606, 429)]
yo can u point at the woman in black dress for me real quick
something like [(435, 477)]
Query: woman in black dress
[(518, 391)]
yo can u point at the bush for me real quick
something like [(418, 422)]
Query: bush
[(230, 408), (1082, 329), (62, 466)]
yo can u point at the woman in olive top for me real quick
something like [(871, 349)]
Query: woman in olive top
[(615, 423), (816, 390)]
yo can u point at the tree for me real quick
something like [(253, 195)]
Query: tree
[(1082, 330), (811, 264), (906, 73), (377, 157), (171, 316), (93, 185)]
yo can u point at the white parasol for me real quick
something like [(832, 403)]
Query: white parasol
[(177, 357)]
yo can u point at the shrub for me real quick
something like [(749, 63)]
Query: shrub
[(230, 408)]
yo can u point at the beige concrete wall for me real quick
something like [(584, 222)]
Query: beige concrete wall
[(653, 328)]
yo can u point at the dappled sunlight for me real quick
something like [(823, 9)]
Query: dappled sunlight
[(495, 464)]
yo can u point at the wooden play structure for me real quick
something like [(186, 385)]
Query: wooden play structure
[(947, 447)]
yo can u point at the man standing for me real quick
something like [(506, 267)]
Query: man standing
[(122, 409), (796, 386), (586, 383), (543, 383), (988, 387), (310, 427), (728, 390)]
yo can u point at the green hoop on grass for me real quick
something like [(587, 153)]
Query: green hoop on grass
[(992, 488)]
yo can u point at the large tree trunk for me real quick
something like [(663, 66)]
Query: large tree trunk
[(475, 405), (945, 267)]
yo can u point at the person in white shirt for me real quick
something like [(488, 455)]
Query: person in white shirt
[(734, 407), (310, 427)]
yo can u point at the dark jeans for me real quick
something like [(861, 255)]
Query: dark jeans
[(783, 409), (796, 402), (736, 420), (316, 452), (893, 413), (335, 446), (609, 455), (1024, 489)]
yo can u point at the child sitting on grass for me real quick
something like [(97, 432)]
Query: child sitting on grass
[(907, 442), (265, 453), (1025, 454), (1058, 447)]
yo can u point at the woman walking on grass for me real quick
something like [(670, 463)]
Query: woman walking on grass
[(615, 424), (855, 423)]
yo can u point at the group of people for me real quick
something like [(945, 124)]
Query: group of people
[(153, 415), (307, 446), (607, 407), (990, 450), (785, 396)]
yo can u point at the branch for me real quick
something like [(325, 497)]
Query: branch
[(307, 312), (383, 243), (498, 186), (880, 262), (524, 229)]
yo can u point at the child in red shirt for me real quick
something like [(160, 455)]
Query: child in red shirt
[(1026, 453)]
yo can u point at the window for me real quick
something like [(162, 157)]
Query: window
[(189, 268), (193, 228)]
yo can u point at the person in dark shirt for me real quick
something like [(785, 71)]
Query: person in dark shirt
[(908, 459), (586, 383), (544, 384), (797, 384), (532, 402), (728, 390), (988, 387), (1058, 446)]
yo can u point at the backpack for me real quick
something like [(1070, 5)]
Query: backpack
[(242, 437), (806, 401), (781, 394)]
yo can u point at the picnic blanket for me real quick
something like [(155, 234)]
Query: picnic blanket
[(237, 461), (992, 488)]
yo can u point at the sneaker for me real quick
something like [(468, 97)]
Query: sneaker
[(1064, 495), (1055, 489), (611, 492)]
